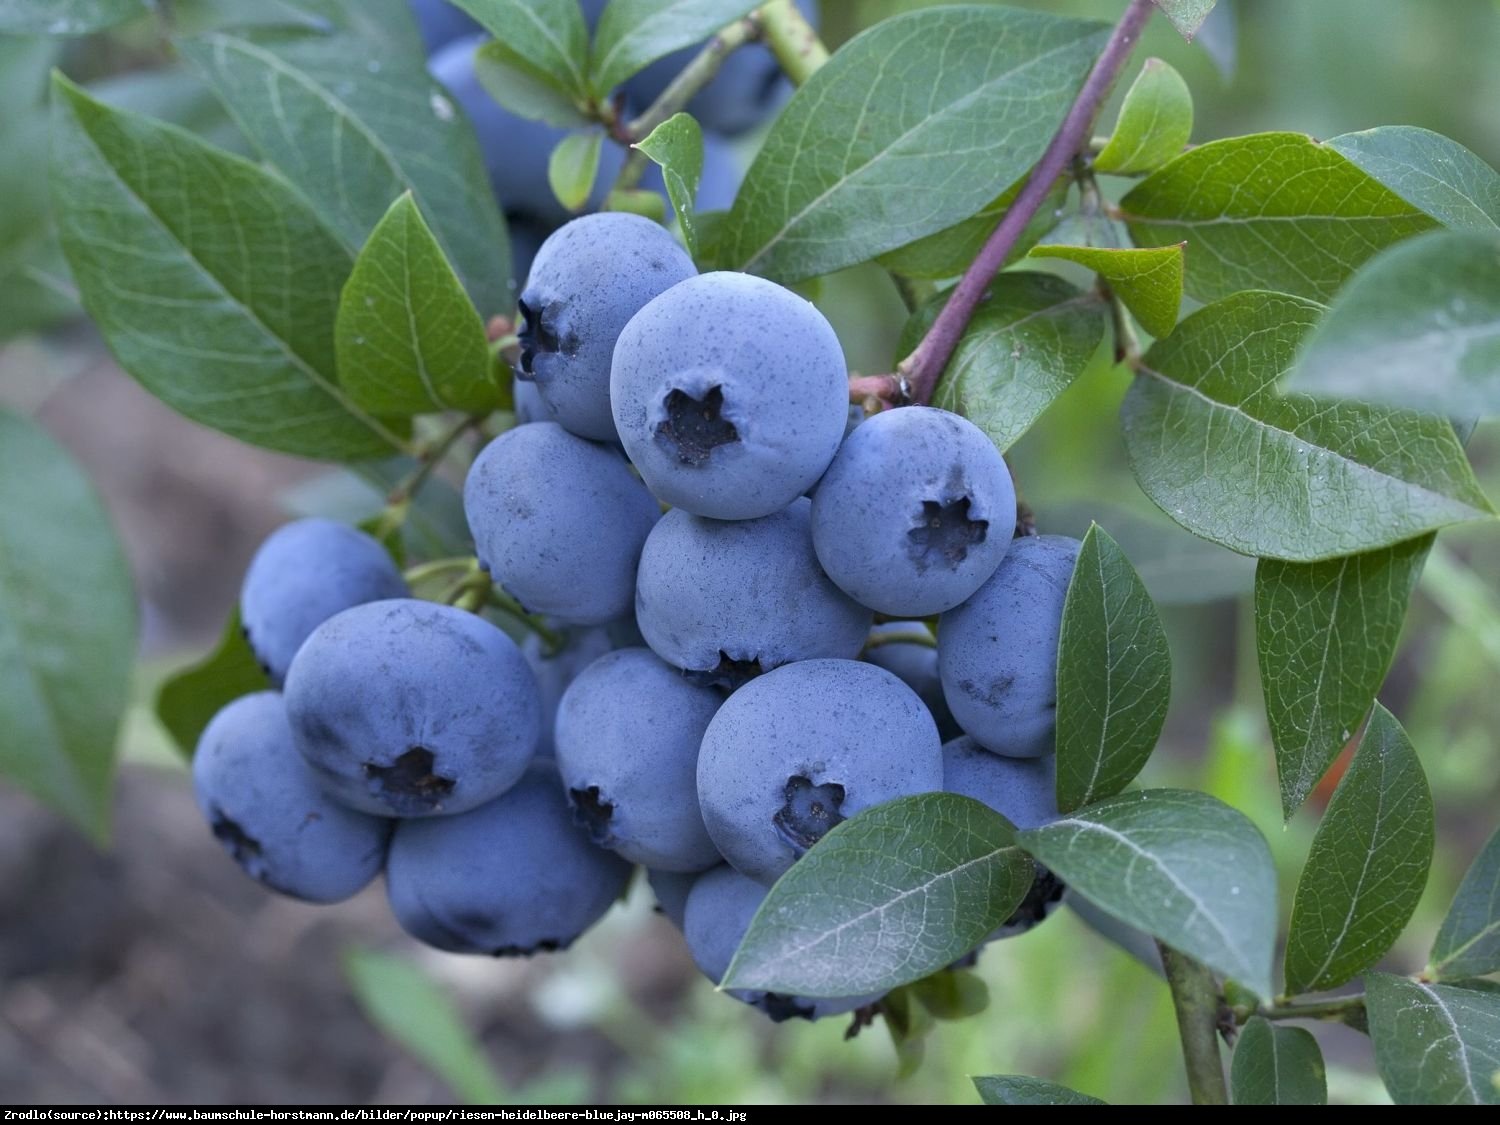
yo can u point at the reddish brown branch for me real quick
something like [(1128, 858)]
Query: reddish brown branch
[(919, 371)]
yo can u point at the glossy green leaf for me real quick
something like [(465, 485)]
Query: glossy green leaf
[(1325, 635), (572, 167), (1435, 1044), (67, 629), (410, 1007), (383, 25), (1368, 864), (1268, 211), (352, 139), (677, 145), (1187, 16), (1468, 944), (1275, 1065), (154, 223), (1021, 1089), (65, 17), (1155, 122), (897, 892), (549, 35), (188, 700), (635, 33), (33, 275), (1030, 337), (1149, 282), (1218, 450), (1114, 676), (514, 81), (846, 172), (409, 340), (1437, 176), (1418, 326), (1181, 865), (949, 252)]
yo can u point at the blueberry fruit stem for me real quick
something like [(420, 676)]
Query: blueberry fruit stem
[(920, 370)]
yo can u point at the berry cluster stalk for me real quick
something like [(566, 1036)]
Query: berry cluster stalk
[(918, 373)]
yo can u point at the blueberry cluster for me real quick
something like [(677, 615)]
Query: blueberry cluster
[(725, 695)]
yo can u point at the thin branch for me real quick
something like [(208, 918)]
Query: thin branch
[(921, 369), (697, 74), (429, 458), (1195, 997), (1348, 1010), (793, 40)]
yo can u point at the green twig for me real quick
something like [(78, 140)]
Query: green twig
[(1349, 1010), (1195, 997), (792, 40), (697, 74), (1127, 343)]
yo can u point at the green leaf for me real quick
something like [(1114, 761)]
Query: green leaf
[(572, 167), (1187, 16), (1030, 337), (192, 697), (512, 80), (351, 139), (1418, 326), (1268, 211), (550, 33), (637, 202), (24, 64), (1149, 282), (67, 629), (155, 224), (949, 252), (1435, 1044), (632, 34), (1020, 1089), (65, 17), (1181, 865), (1368, 863), (846, 172), (1215, 447), (897, 892), (32, 271), (1275, 1065), (1114, 676), (409, 341), (1437, 176), (1325, 635), (952, 994), (677, 145), (1155, 122), (412, 1009), (1468, 944)]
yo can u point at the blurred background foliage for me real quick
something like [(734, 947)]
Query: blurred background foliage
[(151, 974)]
